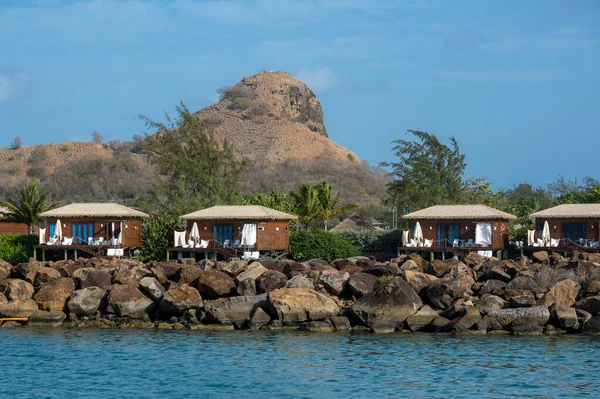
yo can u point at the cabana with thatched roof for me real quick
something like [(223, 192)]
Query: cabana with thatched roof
[(100, 229), (8, 227), (567, 226), (454, 227), (355, 222), (229, 229)]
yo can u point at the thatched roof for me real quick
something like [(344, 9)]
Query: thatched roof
[(466, 212), (110, 210), (353, 223), (569, 211), (238, 212)]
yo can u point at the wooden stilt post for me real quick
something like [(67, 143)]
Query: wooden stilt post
[(65, 253), (34, 253), (44, 255), (76, 256), (167, 255)]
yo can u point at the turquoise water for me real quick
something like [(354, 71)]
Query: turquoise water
[(62, 363)]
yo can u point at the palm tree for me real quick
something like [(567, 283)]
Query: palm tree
[(329, 204), (306, 204), (28, 206)]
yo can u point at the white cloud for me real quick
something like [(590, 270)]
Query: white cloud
[(9, 84), (318, 80)]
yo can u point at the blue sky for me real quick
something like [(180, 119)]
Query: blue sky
[(516, 82)]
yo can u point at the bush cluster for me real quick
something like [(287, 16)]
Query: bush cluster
[(372, 240), (320, 244), (16, 248), (157, 236)]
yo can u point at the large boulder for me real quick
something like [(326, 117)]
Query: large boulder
[(564, 292), (4, 273), (393, 301), (301, 304), (3, 298), (421, 319), (178, 300), (494, 287), (152, 287), (516, 316), (188, 274), (90, 277), (273, 264), (270, 280), (296, 269), (334, 281), (159, 273), (419, 281), (253, 271), (498, 274), (86, 301), (540, 256), (24, 308), (299, 281), (26, 271), (590, 304), (361, 284), (46, 274), (382, 270), (128, 301), (443, 292), (47, 316), (519, 298), (131, 276), (16, 289), (237, 310), (247, 287), (464, 320), (233, 268), (439, 268), (54, 294), (565, 316), (171, 269), (489, 303), (213, 284)]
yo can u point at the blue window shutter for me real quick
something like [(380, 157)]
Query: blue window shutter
[(92, 229), (74, 235), (439, 235), (52, 227)]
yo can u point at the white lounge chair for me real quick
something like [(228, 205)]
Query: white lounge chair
[(111, 252), (530, 238), (554, 242), (236, 244), (428, 243), (455, 243), (470, 243), (67, 241), (52, 241), (226, 244), (42, 236)]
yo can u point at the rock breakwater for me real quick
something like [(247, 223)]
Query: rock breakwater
[(545, 294)]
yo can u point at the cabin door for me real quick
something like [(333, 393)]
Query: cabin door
[(82, 232), (447, 233), (223, 234), (573, 232)]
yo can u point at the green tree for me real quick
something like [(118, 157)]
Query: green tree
[(329, 204), (274, 200), (479, 191), (157, 236), (194, 169), (306, 205), (427, 172), (28, 204)]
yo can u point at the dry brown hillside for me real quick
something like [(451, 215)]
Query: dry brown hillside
[(276, 122), (272, 119)]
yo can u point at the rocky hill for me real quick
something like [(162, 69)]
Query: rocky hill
[(272, 119)]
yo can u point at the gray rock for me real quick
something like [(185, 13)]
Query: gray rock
[(176, 301), (421, 319), (296, 269), (86, 301), (213, 284), (464, 321), (18, 308), (299, 281), (247, 287), (259, 319), (334, 281), (590, 304), (383, 326), (592, 325), (495, 287), (300, 305), (393, 301), (90, 277), (419, 281), (233, 268), (516, 316), (152, 287), (489, 303), (498, 274), (565, 316), (17, 290), (237, 309), (253, 271), (361, 284), (269, 281), (527, 329), (340, 323), (443, 292), (42, 316), (128, 301)]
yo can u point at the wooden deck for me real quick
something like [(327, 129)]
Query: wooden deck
[(434, 251), (98, 251)]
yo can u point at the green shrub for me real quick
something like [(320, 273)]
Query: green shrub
[(240, 103), (157, 236), (16, 248), (320, 244), (373, 240)]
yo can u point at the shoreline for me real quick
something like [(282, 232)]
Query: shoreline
[(545, 295)]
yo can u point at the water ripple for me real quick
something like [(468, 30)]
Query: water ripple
[(57, 363)]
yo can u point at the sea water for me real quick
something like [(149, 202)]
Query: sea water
[(88, 363)]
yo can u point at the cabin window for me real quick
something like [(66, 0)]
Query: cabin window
[(81, 232), (447, 233), (223, 234), (573, 232)]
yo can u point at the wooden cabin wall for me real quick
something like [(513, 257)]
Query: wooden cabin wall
[(267, 239), (556, 227), (13, 228), (466, 230), (131, 235)]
